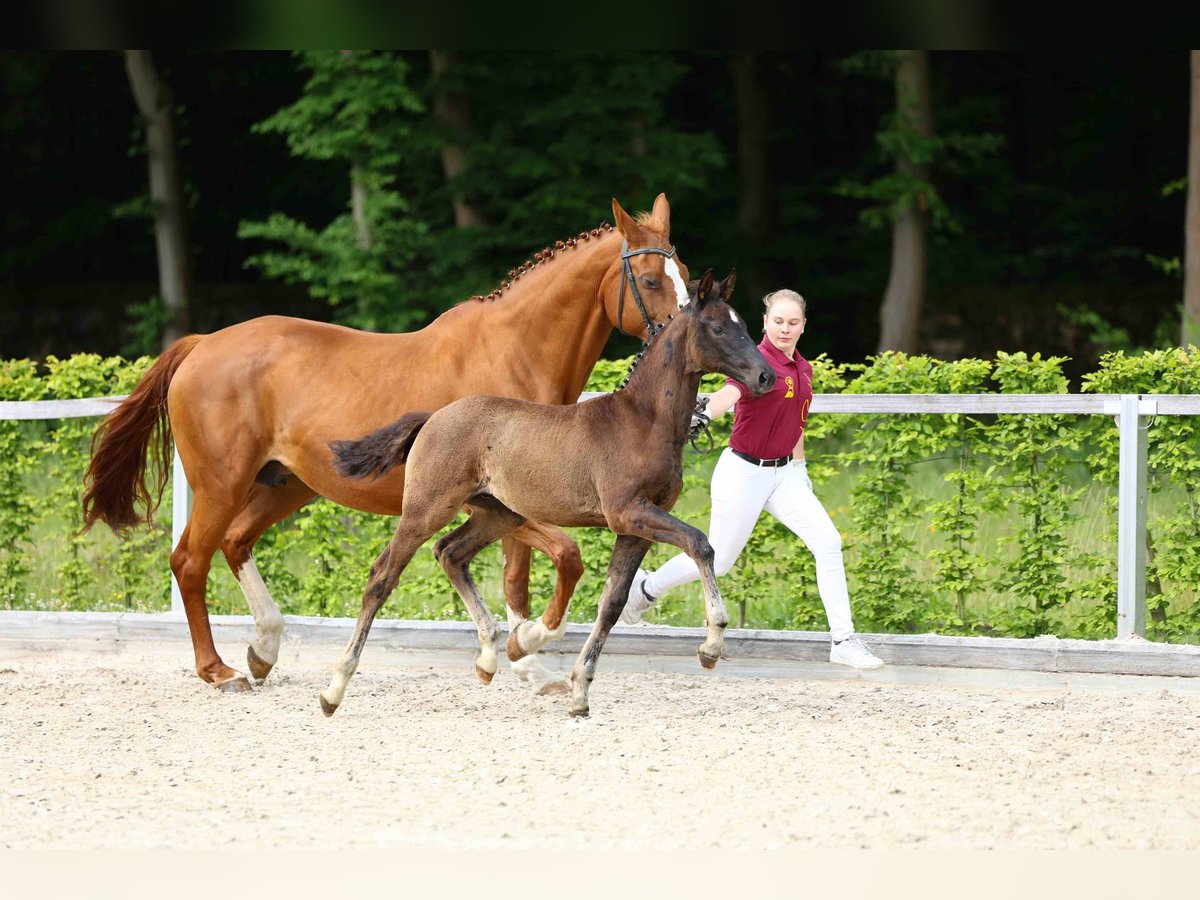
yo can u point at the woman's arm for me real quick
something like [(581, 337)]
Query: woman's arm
[(722, 401)]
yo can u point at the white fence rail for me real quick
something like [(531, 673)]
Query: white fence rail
[(1132, 413)]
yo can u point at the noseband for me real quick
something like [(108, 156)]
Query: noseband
[(627, 276)]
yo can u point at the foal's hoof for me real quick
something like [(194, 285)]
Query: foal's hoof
[(238, 684), (578, 712), (484, 675), (514, 647), (328, 708), (259, 667), (707, 661)]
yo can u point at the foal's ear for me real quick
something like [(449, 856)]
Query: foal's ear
[(727, 285), (661, 216), (630, 230), (704, 288)]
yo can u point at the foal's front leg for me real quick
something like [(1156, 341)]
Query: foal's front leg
[(628, 553), (646, 520)]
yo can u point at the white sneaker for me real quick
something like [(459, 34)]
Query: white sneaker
[(638, 600), (854, 653)]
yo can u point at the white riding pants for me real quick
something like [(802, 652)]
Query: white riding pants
[(742, 490)]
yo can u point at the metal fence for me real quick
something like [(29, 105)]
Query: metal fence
[(1132, 414)]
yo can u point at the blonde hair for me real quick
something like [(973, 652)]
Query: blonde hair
[(784, 294)]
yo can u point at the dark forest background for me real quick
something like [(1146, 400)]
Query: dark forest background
[(1058, 224)]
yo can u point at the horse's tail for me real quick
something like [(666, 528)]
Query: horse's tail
[(116, 477), (379, 452)]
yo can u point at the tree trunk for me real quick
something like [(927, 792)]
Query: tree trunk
[(453, 113), (756, 197), (358, 208), (156, 104), (900, 312), (1190, 332)]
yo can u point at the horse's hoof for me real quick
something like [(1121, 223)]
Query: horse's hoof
[(578, 713), (484, 675), (328, 708), (551, 688), (707, 661), (259, 667), (238, 684), (514, 647)]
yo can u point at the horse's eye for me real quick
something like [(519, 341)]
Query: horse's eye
[(717, 329), (651, 283)]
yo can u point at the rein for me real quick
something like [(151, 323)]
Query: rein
[(627, 276)]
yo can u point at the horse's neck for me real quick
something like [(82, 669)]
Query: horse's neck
[(661, 386), (548, 327)]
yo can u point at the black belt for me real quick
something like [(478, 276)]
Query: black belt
[(770, 463)]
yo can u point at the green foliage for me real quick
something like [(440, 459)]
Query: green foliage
[(951, 154), (356, 110), (1001, 525), (1173, 465)]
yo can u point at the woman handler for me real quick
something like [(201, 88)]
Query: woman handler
[(763, 468)]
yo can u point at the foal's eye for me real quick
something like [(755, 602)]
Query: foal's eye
[(717, 329)]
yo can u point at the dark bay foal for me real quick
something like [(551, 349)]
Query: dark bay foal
[(613, 462)]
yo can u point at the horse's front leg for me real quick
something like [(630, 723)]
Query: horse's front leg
[(527, 637), (646, 520), (628, 552)]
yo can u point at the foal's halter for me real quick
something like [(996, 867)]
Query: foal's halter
[(627, 276)]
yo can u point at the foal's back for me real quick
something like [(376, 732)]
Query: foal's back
[(543, 462)]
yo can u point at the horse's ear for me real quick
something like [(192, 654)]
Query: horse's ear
[(661, 216), (630, 230), (727, 285), (704, 288)]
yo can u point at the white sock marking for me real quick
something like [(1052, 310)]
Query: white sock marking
[(268, 621)]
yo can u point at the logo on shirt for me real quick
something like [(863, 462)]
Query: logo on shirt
[(791, 391)]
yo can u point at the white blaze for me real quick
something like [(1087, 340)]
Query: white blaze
[(681, 297), (733, 316)]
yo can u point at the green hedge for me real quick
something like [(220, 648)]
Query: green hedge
[(1000, 525)]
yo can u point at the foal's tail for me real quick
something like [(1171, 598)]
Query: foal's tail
[(379, 452), (116, 477)]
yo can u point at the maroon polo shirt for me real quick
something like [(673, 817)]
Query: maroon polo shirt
[(770, 426)]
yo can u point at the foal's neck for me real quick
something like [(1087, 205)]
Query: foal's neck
[(661, 385)]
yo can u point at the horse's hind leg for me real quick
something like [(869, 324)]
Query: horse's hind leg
[(628, 552), (263, 508), (526, 637), (191, 560), (455, 552)]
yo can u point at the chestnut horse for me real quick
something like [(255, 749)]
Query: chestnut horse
[(253, 407), (614, 462)]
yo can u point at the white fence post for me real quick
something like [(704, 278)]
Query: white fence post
[(1131, 518), (181, 501)]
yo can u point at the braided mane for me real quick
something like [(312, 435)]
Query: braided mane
[(544, 256)]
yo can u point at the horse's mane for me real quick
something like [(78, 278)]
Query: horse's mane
[(545, 255), (645, 349)]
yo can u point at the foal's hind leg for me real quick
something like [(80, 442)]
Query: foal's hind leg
[(526, 637), (263, 508), (455, 552), (413, 530)]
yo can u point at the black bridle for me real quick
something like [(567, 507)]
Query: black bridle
[(627, 276)]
